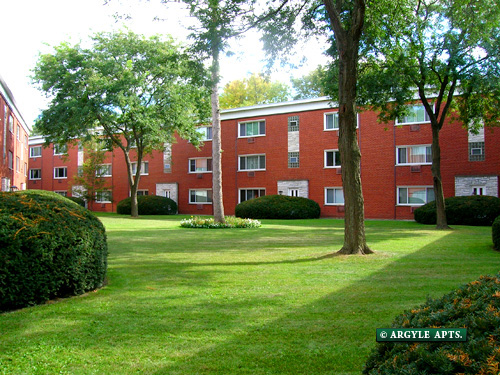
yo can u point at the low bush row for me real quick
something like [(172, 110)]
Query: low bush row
[(471, 210), (278, 207), (148, 205)]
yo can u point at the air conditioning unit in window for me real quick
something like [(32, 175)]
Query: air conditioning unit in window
[(415, 168), (339, 170), (415, 128), (199, 206), (251, 174), (251, 140), (199, 175), (340, 209)]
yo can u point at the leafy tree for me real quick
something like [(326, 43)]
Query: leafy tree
[(447, 54), (138, 90), (343, 21), (311, 85), (256, 89), (90, 181)]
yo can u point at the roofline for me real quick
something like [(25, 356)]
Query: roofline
[(301, 105), (9, 97)]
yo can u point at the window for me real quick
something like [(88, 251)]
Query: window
[(476, 151), (414, 155), (415, 195), (332, 159), (64, 193), (103, 170), (60, 149), (417, 114), (293, 123), (252, 162), (25, 141), (61, 172), (35, 151), (200, 165), (252, 129), (200, 196), (18, 133), (247, 194), (35, 174), (293, 160), (293, 192), (11, 124), (334, 196), (144, 168), (11, 160), (103, 196), (332, 121), (142, 192), (206, 133), (26, 169), (18, 164), (479, 190)]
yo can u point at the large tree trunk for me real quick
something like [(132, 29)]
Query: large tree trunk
[(441, 222), (133, 183), (350, 155), (217, 202)]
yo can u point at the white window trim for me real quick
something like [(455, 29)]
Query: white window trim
[(100, 201), (336, 129), (250, 170), (396, 122), (250, 188), (205, 139), (410, 146), (324, 160), (335, 188), (60, 178), (35, 169), (142, 168), (60, 153), (412, 187), (190, 202), (109, 170), (200, 158), (249, 122), (36, 156)]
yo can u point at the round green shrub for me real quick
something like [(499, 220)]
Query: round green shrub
[(148, 205), (49, 247), (278, 207), (495, 231), (477, 210), (475, 306)]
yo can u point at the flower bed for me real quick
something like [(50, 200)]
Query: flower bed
[(208, 222)]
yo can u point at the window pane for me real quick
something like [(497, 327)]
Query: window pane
[(329, 158), (403, 196), (402, 155), (416, 195), (262, 159), (339, 196), (418, 154), (430, 195), (329, 196)]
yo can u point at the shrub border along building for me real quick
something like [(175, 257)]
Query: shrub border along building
[(476, 307), (148, 205), (495, 233), (278, 207), (50, 247), (478, 210)]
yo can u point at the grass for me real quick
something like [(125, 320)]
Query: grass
[(248, 301)]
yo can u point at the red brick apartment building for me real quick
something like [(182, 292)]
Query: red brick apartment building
[(14, 134), (292, 148)]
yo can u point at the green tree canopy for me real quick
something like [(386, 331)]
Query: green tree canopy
[(138, 91), (256, 89), (311, 85)]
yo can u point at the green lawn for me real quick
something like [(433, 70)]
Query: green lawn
[(241, 301)]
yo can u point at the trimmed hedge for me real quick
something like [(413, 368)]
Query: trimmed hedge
[(495, 232), (77, 200), (278, 207), (49, 247), (478, 210), (148, 205), (475, 306)]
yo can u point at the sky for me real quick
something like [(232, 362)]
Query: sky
[(31, 27)]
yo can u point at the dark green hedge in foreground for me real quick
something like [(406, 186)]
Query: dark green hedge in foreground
[(475, 306), (471, 210), (49, 247), (495, 232), (278, 207)]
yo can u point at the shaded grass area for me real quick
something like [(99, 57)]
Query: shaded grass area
[(241, 301)]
